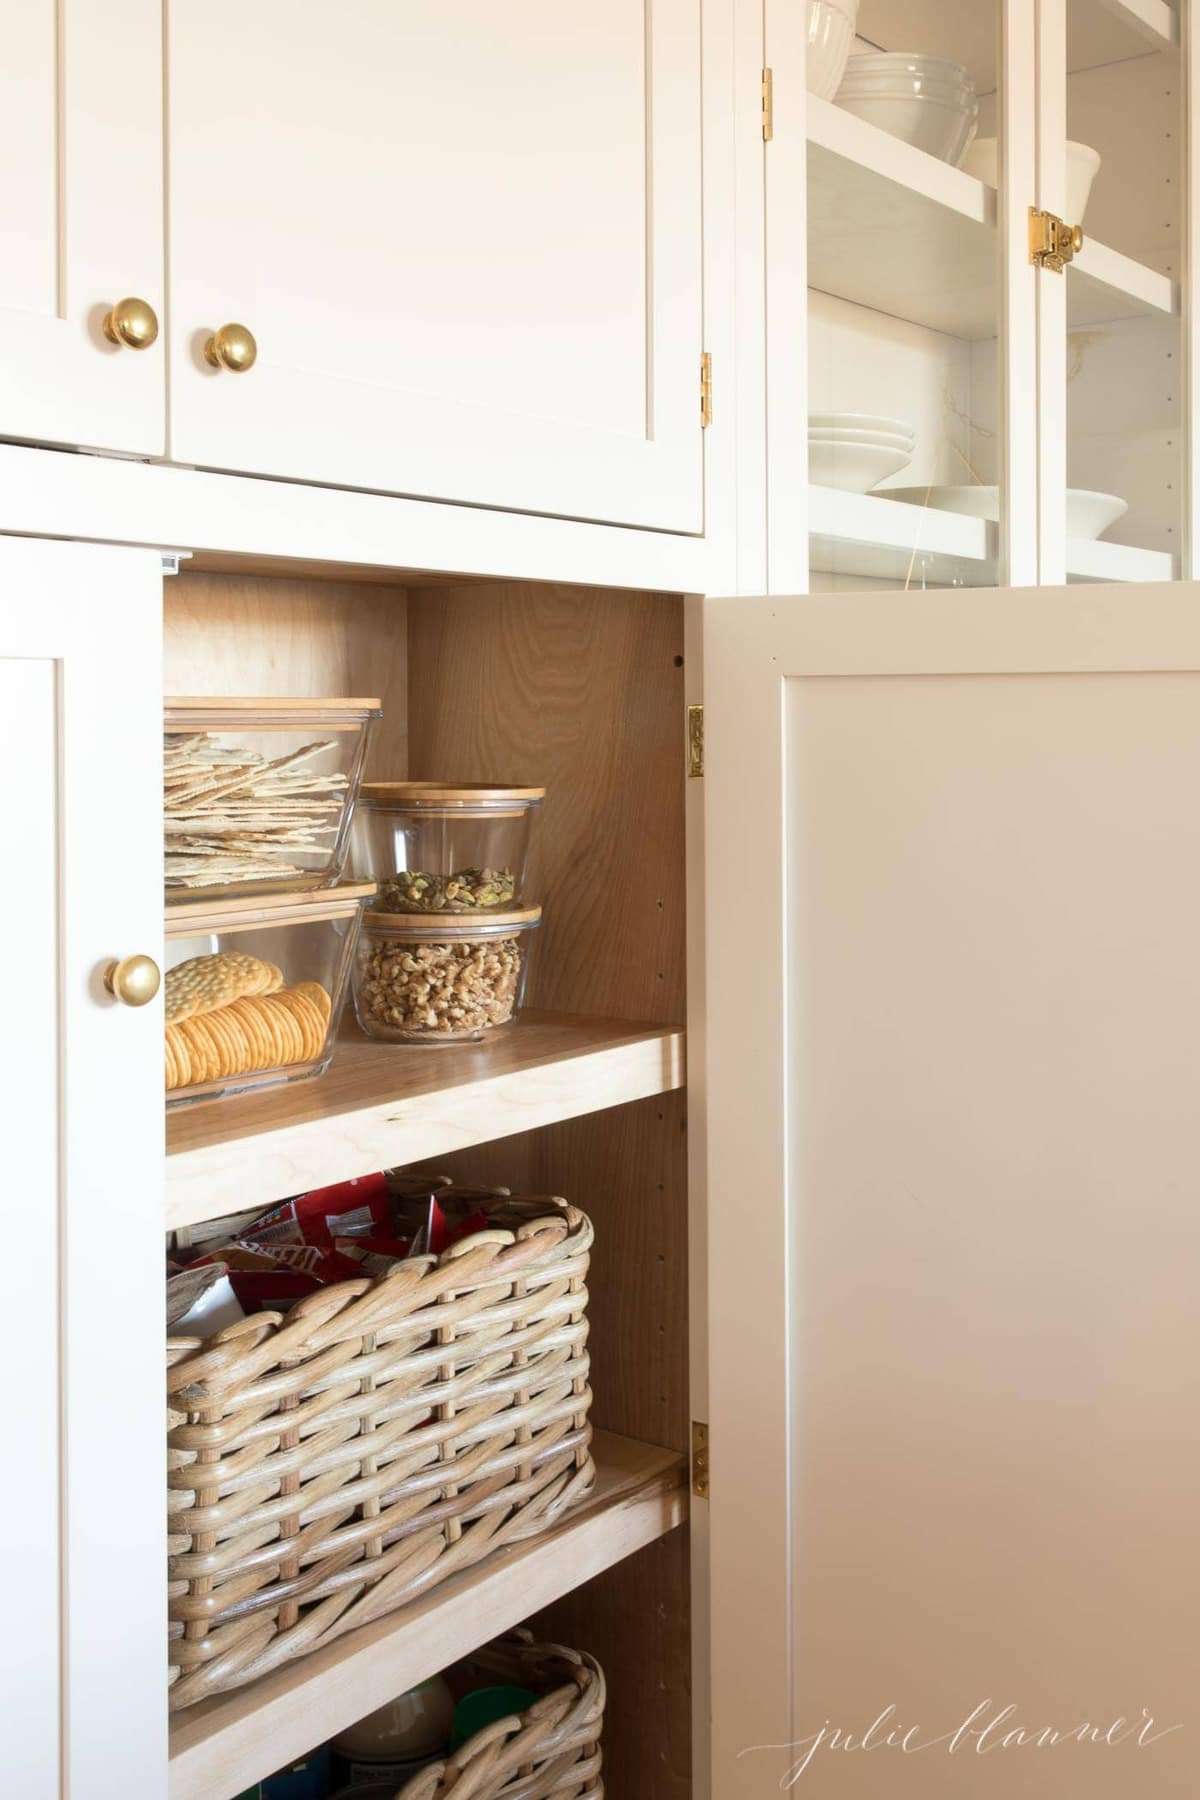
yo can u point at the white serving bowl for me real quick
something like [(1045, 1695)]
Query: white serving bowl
[(855, 467), (895, 439), (1083, 166), (848, 421), (1089, 514), (941, 128), (829, 35), (903, 74)]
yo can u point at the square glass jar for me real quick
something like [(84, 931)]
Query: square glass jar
[(444, 980), (445, 847), (254, 988), (259, 794)]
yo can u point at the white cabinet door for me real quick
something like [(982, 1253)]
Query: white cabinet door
[(81, 1329), (465, 239), (951, 1097), (81, 218)]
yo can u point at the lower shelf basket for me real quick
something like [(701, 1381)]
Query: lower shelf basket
[(329, 1464), (552, 1749)]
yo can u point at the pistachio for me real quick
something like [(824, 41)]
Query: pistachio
[(464, 890)]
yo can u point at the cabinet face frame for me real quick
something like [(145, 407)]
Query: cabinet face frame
[(80, 643), (315, 423), (85, 117)]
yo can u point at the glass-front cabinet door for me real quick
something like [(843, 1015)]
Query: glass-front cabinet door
[(919, 300), (1112, 162), (976, 413)]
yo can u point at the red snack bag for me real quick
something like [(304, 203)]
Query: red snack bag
[(314, 1218)]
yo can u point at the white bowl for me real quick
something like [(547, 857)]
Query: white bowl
[(829, 35), (938, 127), (855, 467), (849, 421), (894, 439), (1083, 165), (1089, 514), (906, 74)]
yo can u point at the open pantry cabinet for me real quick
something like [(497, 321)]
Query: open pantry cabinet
[(1041, 418), (581, 690)]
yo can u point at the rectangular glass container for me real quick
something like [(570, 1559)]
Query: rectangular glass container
[(259, 794), (254, 988)]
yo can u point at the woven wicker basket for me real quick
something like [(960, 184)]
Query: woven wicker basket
[(326, 1465), (553, 1749)]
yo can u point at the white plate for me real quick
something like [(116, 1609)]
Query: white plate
[(850, 421), (855, 467), (894, 440), (1089, 514)]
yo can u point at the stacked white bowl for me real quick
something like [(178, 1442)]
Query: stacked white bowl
[(830, 34), (856, 451), (925, 100)]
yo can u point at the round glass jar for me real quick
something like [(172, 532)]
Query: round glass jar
[(449, 980), (452, 847)]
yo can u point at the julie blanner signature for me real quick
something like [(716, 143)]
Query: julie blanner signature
[(985, 1731)]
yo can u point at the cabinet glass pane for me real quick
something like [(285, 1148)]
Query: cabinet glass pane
[(1119, 118), (904, 294)]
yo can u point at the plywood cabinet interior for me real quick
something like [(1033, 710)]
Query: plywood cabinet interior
[(468, 246), (581, 689)]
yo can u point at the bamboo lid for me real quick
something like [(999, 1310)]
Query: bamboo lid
[(188, 918), (447, 793), (478, 923)]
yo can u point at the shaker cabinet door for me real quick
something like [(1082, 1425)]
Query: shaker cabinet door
[(81, 1328), (465, 241), (81, 223), (951, 1116)]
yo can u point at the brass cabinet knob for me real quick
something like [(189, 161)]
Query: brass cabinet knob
[(1076, 239), (232, 348), (133, 981), (133, 323)]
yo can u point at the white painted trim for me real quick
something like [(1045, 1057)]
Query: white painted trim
[(785, 199), (1017, 363), (1052, 296), (1190, 334), (105, 499)]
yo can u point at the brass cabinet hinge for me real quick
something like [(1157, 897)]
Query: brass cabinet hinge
[(699, 1459), (768, 105), (1052, 245), (706, 390), (695, 741)]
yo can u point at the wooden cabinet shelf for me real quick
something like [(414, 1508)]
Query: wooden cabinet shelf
[(222, 1745), (380, 1105)]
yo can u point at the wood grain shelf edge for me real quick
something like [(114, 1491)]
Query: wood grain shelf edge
[(380, 1106), (223, 1745)]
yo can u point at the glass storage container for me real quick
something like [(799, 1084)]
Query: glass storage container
[(445, 846), (258, 795), (447, 980), (254, 987)]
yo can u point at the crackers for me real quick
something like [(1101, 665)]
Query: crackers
[(231, 815), (204, 983), (230, 1015)]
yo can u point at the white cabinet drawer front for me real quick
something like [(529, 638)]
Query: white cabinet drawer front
[(81, 218), (466, 239)]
